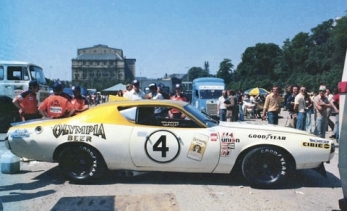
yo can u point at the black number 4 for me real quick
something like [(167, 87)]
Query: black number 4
[(163, 149)]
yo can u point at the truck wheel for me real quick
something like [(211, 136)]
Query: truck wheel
[(265, 166), (8, 114), (81, 163)]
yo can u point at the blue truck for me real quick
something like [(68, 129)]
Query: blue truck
[(205, 94)]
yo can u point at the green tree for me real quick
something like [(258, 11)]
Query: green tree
[(225, 70)]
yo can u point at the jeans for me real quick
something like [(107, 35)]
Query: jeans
[(321, 125), (222, 115), (337, 130), (272, 118), (309, 121), (242, 117), (301, 121)]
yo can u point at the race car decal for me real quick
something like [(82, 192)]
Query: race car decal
[(214, 136), (317, 145), (227, 143), (162, 146), (197, 147), (268, 136), (79, 133), (20, 133)]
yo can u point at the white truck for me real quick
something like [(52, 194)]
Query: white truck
[(14, 78)]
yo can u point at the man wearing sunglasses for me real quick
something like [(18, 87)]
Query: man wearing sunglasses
[(321, 105)]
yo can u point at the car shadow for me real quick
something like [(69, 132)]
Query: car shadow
[(49, 177), (299, 179)]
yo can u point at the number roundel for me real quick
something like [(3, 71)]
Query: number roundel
[(162, 146)]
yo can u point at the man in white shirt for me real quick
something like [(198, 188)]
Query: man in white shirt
[(221, 109), (136, 93), (299, 108)]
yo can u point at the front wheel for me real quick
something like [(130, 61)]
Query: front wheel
[(265, 166), (81, 163)]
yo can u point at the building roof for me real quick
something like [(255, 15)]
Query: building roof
[(99, 56)]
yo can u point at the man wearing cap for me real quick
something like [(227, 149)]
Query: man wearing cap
[(136, 93), (153, 92), (79, 102), (321, 105), (56, 106), (27, 102), (174, 113)]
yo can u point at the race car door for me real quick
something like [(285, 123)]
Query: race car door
[(173, 145)]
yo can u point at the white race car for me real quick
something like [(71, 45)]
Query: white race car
[(140, 136)]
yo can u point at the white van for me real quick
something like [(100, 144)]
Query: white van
[(14, 79)]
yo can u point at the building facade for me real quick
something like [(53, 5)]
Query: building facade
[(101, 62)]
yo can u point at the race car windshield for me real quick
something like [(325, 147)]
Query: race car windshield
[(202, 117)]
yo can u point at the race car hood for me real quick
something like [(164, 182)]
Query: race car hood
[(261, 126)]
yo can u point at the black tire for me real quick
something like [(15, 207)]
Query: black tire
[(81, 164), (266, 166)]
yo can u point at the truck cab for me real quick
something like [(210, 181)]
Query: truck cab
[(14, 79), (205, 94)]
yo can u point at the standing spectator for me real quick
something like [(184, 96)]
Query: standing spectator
[(309, 111), (174, 113), (240, 103), (321, 105), (335, 103), (120, 93), (162, 91), (136, 93), (287, 94), (231, 106), (56, 106), (272, 106), (27, 102), (153, 92), (79, 102), (221, 109), (290, 105), (299, 109), (329, 110)]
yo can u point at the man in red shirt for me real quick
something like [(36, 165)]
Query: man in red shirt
[(27, 102), (175, 113), (79, 102), (56, 106)]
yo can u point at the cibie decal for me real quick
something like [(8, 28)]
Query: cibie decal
[(20, 133), (268, 136), (197, 147), (79, 133), (162, 146), (316, 145), (227, 143)]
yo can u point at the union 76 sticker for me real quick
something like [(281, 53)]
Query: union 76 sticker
[(162, 146)]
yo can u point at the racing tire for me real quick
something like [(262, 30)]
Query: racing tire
[(81, 164), (265, 166)]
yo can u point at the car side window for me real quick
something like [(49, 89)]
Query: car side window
[(1, 73), (158, 116)]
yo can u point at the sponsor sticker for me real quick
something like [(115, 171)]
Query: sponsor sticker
[(197, 147)]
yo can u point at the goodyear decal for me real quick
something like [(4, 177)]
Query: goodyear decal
[(79, 133), (268, 136)]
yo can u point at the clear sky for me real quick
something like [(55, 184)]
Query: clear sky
[(164, 36)]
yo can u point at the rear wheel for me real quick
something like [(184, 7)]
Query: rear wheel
[(81, 163), (265, 166)]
